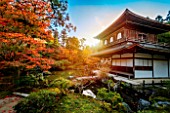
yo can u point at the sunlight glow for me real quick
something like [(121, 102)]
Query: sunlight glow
[(92, 42)]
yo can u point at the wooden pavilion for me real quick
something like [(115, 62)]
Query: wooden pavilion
[(131, 48)]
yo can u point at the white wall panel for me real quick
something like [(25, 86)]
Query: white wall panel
[(113, 62), (160, 68), (117, 62), (139, 62), (123, 62), (129, 62), (150, 62), (143, 74), (143, 62)]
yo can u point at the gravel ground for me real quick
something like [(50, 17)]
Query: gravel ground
[(6, 104)]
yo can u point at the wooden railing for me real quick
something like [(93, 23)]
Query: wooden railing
[(148, 42), (135, 40), (114, 43)]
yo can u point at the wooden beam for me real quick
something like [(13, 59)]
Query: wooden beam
[(134, 62), (152, 67), (168, 67)]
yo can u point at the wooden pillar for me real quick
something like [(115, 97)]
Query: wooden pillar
[(111, 60), (120, 59), (143, 88), (153, 83), (152, 67), (134, 63), (168, 69)]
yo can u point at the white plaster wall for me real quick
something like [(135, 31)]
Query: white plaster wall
[(143, 55), (126, 55), (160, 68), (143, 74)]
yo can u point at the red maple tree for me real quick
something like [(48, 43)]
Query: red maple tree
[(24, 34)]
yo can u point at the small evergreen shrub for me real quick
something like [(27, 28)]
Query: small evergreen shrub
[(112, 97), (61, 83), (43, 101), (56, 90)]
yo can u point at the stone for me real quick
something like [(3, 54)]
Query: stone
[(127, 108), (47, 73), (89, 93), (71, 77), (21, 94), (143, 104), (161, 104)]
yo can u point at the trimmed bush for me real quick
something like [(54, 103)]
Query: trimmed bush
[(111, 97), (43, 101), (61, 83)]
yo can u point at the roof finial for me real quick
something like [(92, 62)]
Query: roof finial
[(127, 9)]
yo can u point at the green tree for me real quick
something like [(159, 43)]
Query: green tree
[(159, 18), (168, 17), (164, 37)]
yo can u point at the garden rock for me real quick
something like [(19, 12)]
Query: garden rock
[(143, 104), (127, 108), (164, 103), (71, 77), (88, 92), (161, 104)]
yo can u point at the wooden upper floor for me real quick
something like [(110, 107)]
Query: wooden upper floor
[(132, 27)]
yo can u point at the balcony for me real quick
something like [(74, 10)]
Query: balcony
[(135, 40)]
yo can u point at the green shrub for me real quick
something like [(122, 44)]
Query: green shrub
[(43, 101), (106, 106), (159, 98), (111, 97), (168, 86), (56, 90), (61, 83)]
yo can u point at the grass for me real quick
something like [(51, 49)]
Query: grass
[(73, 103)]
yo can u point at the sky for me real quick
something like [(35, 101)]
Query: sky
[(91, 17)]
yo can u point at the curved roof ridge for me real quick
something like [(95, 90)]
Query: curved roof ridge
[(147, 19), (125, 18), (113, 22)]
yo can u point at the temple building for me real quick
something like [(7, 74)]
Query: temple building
[(131, 48)]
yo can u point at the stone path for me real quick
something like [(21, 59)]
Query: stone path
[(6, 104)]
